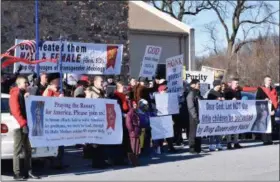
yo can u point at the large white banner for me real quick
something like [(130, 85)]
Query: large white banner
[(150, 61), (174, 75), (77, 57), (69, 121), (233, 117), (202, 76), (162, 127), (167, 104)]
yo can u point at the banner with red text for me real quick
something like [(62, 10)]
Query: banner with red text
[(233, 117), (70, 121), (77, 57), (150, 61), (174, 73)]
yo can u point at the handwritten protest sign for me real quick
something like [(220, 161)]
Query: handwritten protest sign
[(219, 74), (77, 57), (233, 117), (174, 76), (167, 104), (69, 121), (162, 127), (150, 61)]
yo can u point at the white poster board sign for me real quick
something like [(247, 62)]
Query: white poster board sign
[(174, 75), (167, 104), (219, 74), (162, 127), (77, 57), (69, 121), (150, 61), (202, 76), (233, 117)]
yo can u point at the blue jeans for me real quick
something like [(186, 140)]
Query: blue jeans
[(215, 140)]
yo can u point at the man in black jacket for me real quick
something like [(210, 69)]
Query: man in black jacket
[(267, 92), (233, 93), (192, 101), (215, 94)]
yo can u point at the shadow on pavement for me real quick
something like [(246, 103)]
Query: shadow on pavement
[(80, 166)]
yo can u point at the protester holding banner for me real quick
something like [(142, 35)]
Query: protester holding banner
[(21, 140), (192, 101), (161, 90), (97, 152), (233, 93), (52, 90), (267, 92), (124, 105), (215, 94)]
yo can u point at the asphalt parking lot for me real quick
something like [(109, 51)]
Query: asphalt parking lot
[(253, 162)]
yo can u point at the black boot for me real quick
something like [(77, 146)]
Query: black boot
[(18, 177)]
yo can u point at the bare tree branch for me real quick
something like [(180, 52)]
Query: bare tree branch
[(264, 20), (185, 7), (220, 18)]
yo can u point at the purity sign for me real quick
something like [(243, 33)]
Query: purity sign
[(70, 121), (233, 117), (77, 57), (202, 76)]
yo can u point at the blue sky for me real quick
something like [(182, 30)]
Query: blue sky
[(202, 37)]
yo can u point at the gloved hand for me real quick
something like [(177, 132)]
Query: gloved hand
[(25, 130)]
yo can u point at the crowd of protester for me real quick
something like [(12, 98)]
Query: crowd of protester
[(137, 103)]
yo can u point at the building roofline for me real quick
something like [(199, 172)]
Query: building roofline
[(157, 32), (163, 16)]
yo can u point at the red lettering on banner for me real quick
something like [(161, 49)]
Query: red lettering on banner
[(174, 62), (153, 50)]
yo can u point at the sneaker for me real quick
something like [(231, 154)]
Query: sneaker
[(212, 148), (237, 146), (219, 147), (229, 146)]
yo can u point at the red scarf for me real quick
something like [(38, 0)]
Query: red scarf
[(123, 99), (272, 95)]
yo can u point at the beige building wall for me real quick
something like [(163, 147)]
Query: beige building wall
[(149, 26), (171, 44)]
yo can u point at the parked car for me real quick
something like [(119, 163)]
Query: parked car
[(8, 125)]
